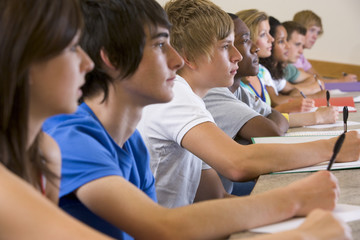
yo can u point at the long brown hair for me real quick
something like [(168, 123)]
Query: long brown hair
[(31, 31)]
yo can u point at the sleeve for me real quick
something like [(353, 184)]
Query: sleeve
[(230, 113), (291, 73), (171, 121), (307, 65), (253, 102), (86, 155), (142, 160)]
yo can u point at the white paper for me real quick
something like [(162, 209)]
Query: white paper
[(336, 92), (336, 124), (345, 212), (357, 99), (301, 139)]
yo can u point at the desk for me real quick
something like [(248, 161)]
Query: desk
[(349, 180)]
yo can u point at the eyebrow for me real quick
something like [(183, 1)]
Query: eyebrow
[(159, 35), (246, 34)]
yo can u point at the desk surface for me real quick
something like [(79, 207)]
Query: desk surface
[(349, 180)]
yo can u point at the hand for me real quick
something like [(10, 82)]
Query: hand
[(350, 150), (326, 115), (324, 225), (349, 78), (300, 105), (319, 190)]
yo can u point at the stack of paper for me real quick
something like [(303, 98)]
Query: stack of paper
[(345, 212)]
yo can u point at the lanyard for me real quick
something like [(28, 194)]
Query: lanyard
[(262, 90)]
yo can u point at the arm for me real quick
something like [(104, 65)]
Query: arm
[(322, 115), (133, 209), (240, 163), (51, 153), (25, 214), (210, 186), (346, 78), (261, 126)]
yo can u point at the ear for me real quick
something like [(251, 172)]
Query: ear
[(106, 60), (191, 64)]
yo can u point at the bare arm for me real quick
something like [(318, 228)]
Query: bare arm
[(322, 115), (260, 126), (52, 154), (239, 163), (25, 214), (210, 186), (133, 209), (347, 78)]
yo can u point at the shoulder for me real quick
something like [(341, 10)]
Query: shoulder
[(49, 148)]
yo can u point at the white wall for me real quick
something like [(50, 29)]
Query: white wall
[(340, 18)]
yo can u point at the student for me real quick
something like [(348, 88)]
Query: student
[(33, 89), (259, 33), (256, 21), (277, 62), (42, 69), (250, 116), (181, 132), (312, 22), (281, 92), (296, 40), (236, 99), (135, 66)]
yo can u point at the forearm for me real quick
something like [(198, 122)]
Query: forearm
[(260, 159), (308, 87), (228, 214), (20, 202), (260, 126), (279, 120), (302, 119)]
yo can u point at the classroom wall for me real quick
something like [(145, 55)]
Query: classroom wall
[(341, 21)]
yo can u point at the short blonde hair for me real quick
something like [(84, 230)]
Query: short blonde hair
[(252, 18), (196, 26), (308, 18)]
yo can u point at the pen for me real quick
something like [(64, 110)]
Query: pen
[(345, 117), (302, 94), (336, 150), (318, 81), (328, 98)]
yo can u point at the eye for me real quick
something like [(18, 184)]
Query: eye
[(226, 46), (74, 47), (160, 44)]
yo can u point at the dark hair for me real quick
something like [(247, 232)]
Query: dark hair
[(117, 27), (233, 16), (292, 26), (275, 68), (31, 32)]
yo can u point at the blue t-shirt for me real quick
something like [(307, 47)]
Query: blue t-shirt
[(89, 153)]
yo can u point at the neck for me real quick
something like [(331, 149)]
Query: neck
[(119, 114), (33, 129), (197, 84), (235, 85)]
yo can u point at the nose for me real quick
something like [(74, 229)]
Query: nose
[(287, 46), (175, 61), (236, 56), (270, 38), (301, 50), (86, 63), (254, 48)]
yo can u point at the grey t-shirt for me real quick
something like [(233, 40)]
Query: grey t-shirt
[(231, 111)]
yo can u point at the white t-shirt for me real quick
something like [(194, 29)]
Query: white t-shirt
[(177, 171), (278, 84)]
